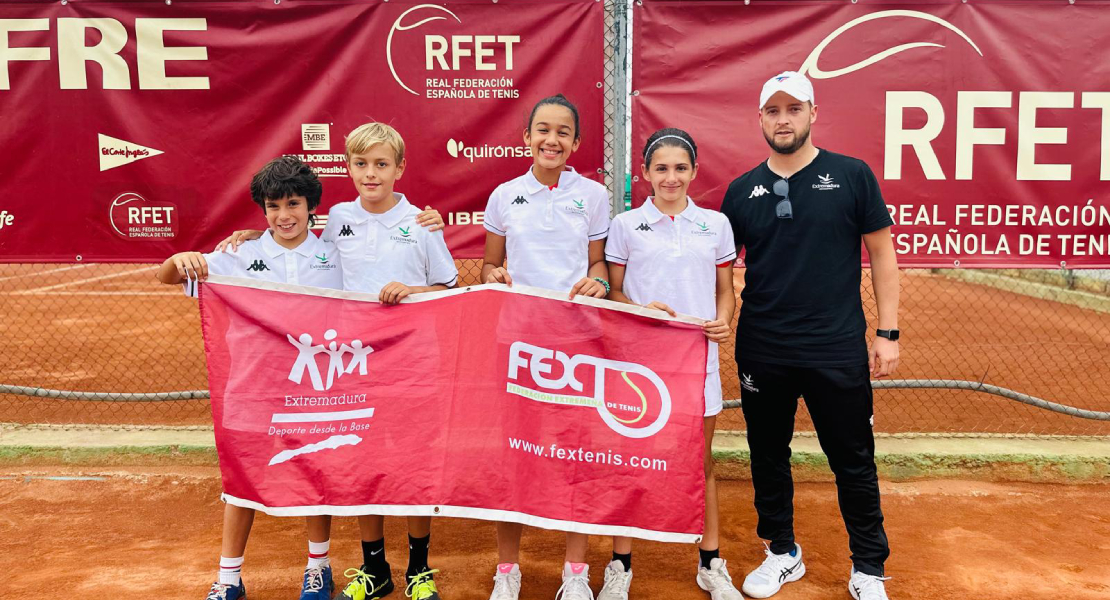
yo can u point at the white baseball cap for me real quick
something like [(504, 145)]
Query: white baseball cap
[(791, 82)]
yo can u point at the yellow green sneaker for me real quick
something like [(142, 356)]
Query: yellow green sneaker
[(422, 586), (364, 587)]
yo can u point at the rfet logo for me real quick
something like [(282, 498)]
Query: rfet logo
[(902, 123), (6, 218), (136, 218), (630, 398), (456, 66)]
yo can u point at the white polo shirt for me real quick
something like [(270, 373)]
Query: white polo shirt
[(376, 249), (314, 263), (548, 231), (673, 261)]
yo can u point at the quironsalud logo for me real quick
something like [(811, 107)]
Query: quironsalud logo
[(636, 410)]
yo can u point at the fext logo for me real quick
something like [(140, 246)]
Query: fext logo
[(449, 55), (133, 217), (151, 52), (538, 369)]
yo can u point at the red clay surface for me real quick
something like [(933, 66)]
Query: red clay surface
[(114, 328), (154, 532)]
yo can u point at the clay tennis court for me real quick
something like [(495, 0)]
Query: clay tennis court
[(114, 328), (155, 531)]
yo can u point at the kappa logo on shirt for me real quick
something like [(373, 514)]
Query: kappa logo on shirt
[(259, 266), (346, 231), (826, 183), (520, 200), (758, 191), (644, 227)]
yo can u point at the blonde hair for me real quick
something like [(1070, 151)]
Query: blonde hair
[(368, 135)]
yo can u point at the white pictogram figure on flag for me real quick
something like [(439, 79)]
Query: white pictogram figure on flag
[(306, 359), (358, 356)]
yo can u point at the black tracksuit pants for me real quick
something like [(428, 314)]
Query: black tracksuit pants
[(839, 400)]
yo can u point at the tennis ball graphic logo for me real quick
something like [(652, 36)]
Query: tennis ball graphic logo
[(643, 402), (810, 69)]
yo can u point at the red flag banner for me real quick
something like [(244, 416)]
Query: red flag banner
[(986, 123), (487, 402), (131, 129)]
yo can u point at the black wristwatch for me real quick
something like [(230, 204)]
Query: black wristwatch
[(890, 334)]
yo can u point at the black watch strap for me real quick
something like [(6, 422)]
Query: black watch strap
[(890, 334)]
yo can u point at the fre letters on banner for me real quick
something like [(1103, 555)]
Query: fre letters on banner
[(485, 402)]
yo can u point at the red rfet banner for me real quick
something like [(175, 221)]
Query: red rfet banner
[(131, 129), (987, 124), (486, 403)]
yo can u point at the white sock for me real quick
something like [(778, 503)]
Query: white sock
[(230, 569), (318, 554)]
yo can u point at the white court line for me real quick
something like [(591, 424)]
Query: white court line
[(87, 280), (33, 293), (58, 270), (342, 415)]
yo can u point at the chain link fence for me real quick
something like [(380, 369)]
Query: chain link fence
[(124, 350), (114, 329)]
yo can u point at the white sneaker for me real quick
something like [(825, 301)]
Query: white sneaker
[(506, 585), (867, 587), (617, 581), (776, 570), (717, 581), (576, 586)]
